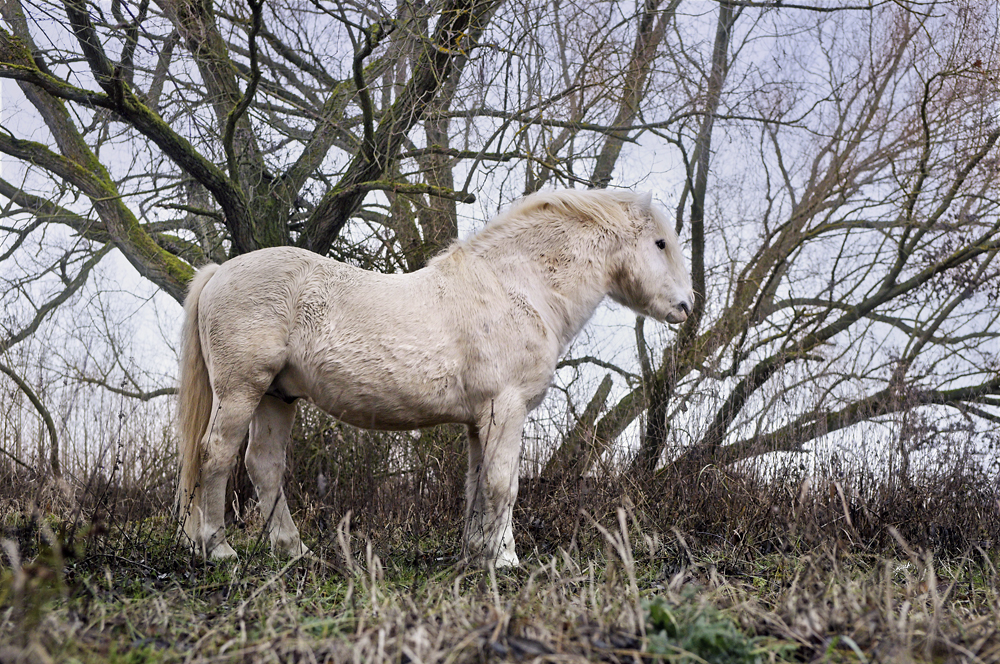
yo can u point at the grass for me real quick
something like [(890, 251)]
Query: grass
[(721, 568), (125, 592)]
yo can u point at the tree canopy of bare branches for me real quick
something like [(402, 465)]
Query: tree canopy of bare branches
[(833, 170)]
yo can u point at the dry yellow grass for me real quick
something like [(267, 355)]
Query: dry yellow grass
[(132, 595)]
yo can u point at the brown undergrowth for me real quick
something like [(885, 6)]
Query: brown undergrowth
[(718, 566)]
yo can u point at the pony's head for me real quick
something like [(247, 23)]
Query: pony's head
[(640, 259), (649, 274)]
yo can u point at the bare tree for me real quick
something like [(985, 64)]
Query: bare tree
[(868, 265), (838, 193)]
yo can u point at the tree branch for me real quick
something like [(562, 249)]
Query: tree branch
[(256, 8), (16, 63), (132, 394), (45, 211), (792, 437), (581, 447), (43, 412), (597, 362), (150, 260), (652, 27), (373, 35), (457, 33), (43, 311)]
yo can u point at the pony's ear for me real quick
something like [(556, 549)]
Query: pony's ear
[(646, 201)]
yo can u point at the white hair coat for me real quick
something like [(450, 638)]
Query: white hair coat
[(472, 338)]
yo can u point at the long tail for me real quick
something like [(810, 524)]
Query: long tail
[(194, 409)]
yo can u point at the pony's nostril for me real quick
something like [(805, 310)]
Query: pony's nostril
[(686, 307)]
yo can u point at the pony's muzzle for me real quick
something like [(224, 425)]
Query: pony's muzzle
[(679, 313)]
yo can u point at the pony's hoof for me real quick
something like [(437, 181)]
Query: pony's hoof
[(222, 552), (506, 560), (293, 551)]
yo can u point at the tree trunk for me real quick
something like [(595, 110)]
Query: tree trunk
[(648, 37), (655, 438), (581, 447)]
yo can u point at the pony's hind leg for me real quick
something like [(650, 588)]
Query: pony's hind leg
[(269, 433), (229, 424)]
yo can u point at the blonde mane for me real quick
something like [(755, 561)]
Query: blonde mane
[(603, 207), (600, 209)]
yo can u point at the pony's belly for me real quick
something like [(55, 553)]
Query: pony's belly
[(369, 410), (386, 419), (384, 397)]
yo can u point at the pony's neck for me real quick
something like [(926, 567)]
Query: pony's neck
[(559, 278)]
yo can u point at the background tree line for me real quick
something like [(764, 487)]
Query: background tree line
[(833, 172)]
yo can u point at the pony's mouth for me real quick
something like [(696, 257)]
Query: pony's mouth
[(680, 311), (676, 316), (668, 314)]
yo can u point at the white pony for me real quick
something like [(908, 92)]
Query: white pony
[(472, 338)]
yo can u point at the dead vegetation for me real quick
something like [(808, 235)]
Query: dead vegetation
[(718, 567)]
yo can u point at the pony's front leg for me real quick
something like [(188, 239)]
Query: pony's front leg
[(270, 431), (491, 485), (473, 535)]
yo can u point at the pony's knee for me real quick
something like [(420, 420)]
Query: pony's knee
[(218, 461), (264, 469), (222, 442)]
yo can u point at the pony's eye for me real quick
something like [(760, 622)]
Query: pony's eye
[(661, 244)]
